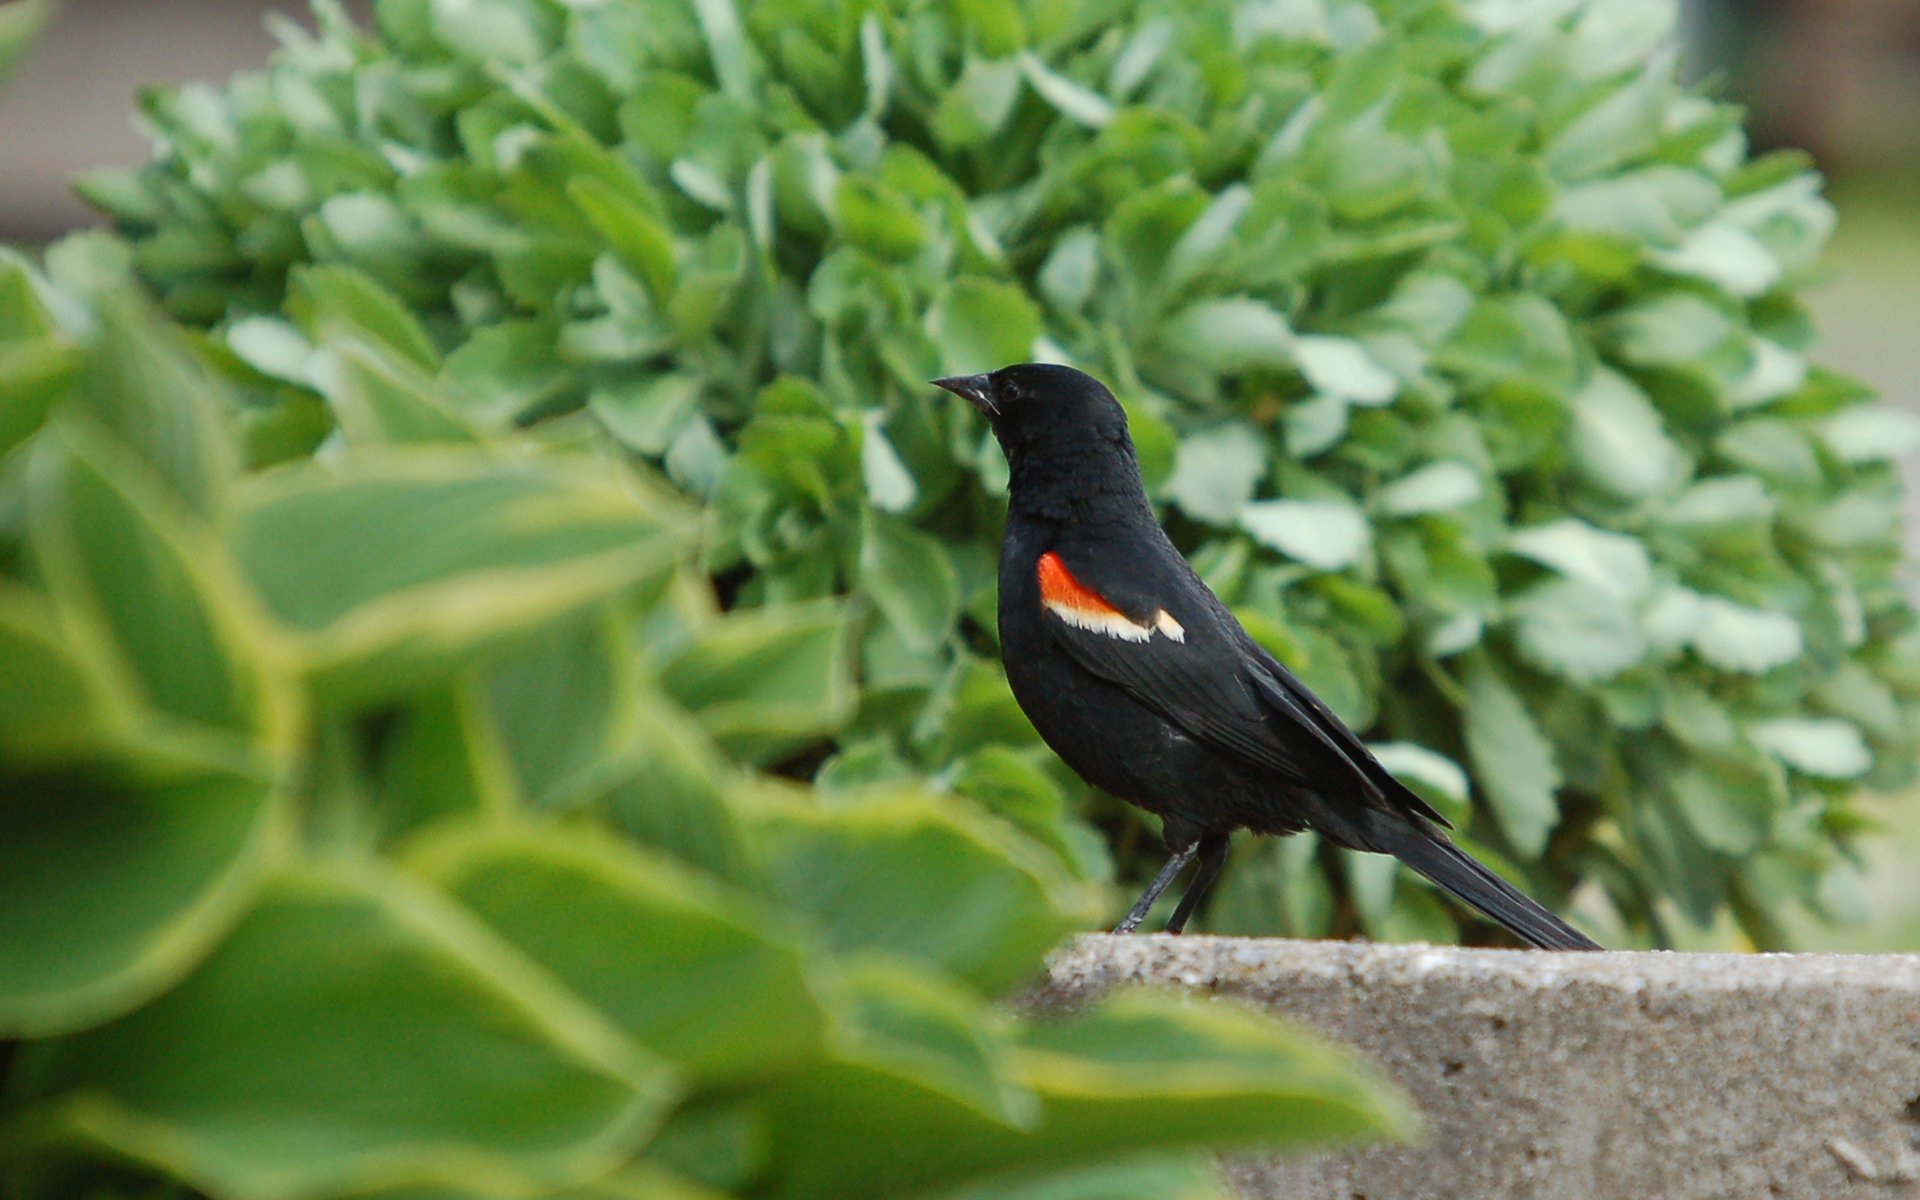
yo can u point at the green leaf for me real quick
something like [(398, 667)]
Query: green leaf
[(1513, 762), (117, 877), (436, 758), (382, 398), (1618, 441), (877, 219), (1436, 487), (1671, 329), (1325, 534), (115, 545), (1342, 367), (1429, 771), (936, 884), (890, 485), (648, 414), (328, 300), (1820, 746), (274, 348), (1611, 563), (1723, 500), (1074, 101), (981, 325), (392, 572), (734, 60), (157, 400), (910, 579), (562, 701), (764, 681), (1871, 434), (705, 979), (20, 23), (1512, 337), (923, 1065), (384, 1029), (62, 697), (1749, 640), (1621, 126), (509, 371), (1234, 333), (1011, 785), (1072, 268), (1129, 1177), (977, 105), (1214, 473), (1578, 630), (643, 243), (1722, 252), (1730, 806), (670, 790), (1142, 1072)]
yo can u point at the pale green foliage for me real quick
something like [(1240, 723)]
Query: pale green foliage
[(1460, 341)]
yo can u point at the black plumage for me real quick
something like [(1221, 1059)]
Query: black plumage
[(1141, 680)]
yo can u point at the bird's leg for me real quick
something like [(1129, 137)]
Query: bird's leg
[(1213, 856), (1178, 863)]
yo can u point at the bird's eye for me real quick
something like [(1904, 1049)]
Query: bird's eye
[(1009, 391)]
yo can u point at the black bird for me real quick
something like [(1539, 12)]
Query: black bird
[(1137, 676)]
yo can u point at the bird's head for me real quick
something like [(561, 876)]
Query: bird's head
[(1030, 403)]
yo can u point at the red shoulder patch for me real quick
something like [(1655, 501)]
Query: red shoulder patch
[(1059, 589)]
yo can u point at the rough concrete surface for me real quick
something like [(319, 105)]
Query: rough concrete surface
[(1581, 1076)]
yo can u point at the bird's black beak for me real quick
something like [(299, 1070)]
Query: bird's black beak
[(974, 389)]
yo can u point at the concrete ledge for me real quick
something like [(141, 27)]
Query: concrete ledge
[(1581, 1076)]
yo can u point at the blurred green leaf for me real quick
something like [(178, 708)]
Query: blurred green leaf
[(118, 549), (20, 23), (158, 402), (1573, 628), (910, 580), (1618, 440), (935, 884), (1738, 638), (1513, 761), (62, 696), (1828, 748), (394, 571), (333, 300), (1140, 1177), (1214, 473), (982, 325), (117, 877), (563, 703), (670, 789), (382, 398), (1143, 1072), (704, 979), (1436, 487), (383, 1025), (1326, 534), (764, 681)]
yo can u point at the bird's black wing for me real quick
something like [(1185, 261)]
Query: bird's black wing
[(1154, 629), (1282, 689)]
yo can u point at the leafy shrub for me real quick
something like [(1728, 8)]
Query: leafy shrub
[(1461, 344), (363, 833)]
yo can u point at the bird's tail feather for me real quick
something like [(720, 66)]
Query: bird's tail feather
[(1428, 851)]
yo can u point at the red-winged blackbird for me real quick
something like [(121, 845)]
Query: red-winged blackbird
[(1136, 674)]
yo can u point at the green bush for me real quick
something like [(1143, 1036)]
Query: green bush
[(1460, 342), (364, 832)]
